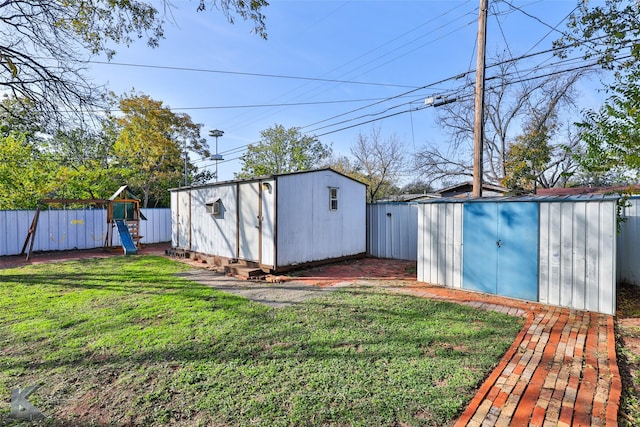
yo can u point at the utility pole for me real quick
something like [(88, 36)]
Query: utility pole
[(478, 127)]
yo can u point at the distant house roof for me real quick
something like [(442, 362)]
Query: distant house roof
[(409, 197), (465, 189), (569, 191)]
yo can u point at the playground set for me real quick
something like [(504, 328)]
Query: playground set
[(123, 215)]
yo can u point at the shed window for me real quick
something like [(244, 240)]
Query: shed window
[(333, 199), (214, 208)]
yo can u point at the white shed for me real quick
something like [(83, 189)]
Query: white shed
[(554, 250), (273, 222)]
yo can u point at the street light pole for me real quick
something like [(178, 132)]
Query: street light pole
[(216, 133)]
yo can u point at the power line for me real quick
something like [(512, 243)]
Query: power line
[(470, 71), (411, 109), (393, 51), (522, 80), (242, 73), (535, 17), (458, 94)]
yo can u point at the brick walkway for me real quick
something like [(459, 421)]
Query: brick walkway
[(561, 369)]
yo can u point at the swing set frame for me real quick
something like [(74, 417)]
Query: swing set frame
[(120, 206)]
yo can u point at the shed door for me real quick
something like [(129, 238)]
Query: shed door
[(183, 240), (249, 221), (500, 249)]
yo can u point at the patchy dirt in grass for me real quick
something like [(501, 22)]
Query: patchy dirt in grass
[(628, 343), (13, 261)]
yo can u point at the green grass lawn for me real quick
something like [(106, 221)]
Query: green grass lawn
[(122, 341)]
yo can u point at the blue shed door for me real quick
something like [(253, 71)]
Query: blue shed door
[(500, 249)]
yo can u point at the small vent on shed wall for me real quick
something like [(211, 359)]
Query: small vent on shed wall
[(214, 208)]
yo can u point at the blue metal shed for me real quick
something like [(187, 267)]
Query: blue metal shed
[(554, 250)]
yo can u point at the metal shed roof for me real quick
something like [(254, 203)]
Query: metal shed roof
[(260, 178), (530, 198)]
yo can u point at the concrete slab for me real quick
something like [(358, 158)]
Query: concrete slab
[(271, 294)]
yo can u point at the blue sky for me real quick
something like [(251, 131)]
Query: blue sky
[(327, 65)]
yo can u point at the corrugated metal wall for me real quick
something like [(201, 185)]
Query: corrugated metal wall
[(292, 208), (60, 230), (576, 257), (440, 244), (203, 232), (157, 227), (629, 244), (577, 261), (307, 230), (235, 232), (392, 230)]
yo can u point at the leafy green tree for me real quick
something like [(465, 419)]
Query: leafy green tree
[(81, 147), (345, 166), (85, 182), (608, 33), (533, 161), (527, 157), (77, 161), (417, 187), (150, 145), (612, 134), (44, 43), (26, 174), (17, 116), (86, 166), (281, 151)]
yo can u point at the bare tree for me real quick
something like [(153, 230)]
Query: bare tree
[(508, 105), (44, 44), (380, 161)]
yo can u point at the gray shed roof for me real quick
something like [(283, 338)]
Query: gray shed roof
[(529, 198), (259, 178)]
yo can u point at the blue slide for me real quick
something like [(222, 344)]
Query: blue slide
[(125, 238)]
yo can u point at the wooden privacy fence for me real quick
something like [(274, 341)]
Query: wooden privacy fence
[(67, 229)]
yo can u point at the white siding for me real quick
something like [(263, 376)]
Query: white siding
[(393, 230), (268, 224), (175, 229), (307, 230), (213, 235), (233, 233), (440, 244), (183, 220), (249, 220), (14, 226), (629, 243), (577, 255), (67, 229)]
